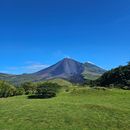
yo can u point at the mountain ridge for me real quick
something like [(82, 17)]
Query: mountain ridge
[(67, 68)]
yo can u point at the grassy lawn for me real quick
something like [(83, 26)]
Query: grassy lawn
[(80, 109)]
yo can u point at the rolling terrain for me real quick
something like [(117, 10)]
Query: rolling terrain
[(67, 69), (78, 109), (74, 107)]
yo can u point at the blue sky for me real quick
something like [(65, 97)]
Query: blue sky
[(37, 33)]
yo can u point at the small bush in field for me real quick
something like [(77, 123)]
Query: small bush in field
[(29, 87), (46, 90), (20, 91), (6, 89)]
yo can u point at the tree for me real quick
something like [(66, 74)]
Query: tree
[(20, 91), (29, 87), (46, 90), (6, 89), (118, 77)]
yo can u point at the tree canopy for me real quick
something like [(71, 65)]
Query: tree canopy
[(118, 77)]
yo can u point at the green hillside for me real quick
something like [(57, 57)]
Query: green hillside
[(92, 72), (18, 79), (61, 82), (79, 109), (118, 77)]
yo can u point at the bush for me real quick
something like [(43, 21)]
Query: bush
[(6, 90), (117, 78), (20, 91), (46, 90), (45, 95), (29, 87)]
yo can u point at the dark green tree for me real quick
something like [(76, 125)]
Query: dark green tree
[(29, 87), (46, 90), (6, 89), (20, 91), (118, 77)]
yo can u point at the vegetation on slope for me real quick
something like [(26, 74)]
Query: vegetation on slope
[(6, 90), (92, 72), (118, 77), (59, 81)]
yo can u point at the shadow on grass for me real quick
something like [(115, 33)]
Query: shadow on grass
[(41, 96)]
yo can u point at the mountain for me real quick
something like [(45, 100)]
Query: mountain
[(71, 70), (67, 69)]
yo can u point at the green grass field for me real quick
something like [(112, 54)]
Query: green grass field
[(79, 109)]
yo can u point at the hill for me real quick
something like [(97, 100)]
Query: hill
[(119, 77), (67, 69), (92, 71), (61, 82)]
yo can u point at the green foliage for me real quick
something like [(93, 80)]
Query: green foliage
[(118, 77), (38, 90), (47, 90), (29, 87), (50, 86), (6, 90), (20, 91)]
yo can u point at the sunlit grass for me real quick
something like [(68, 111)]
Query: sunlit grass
[(77, 109)]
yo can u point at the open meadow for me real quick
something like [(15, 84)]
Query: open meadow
[(76, 109)]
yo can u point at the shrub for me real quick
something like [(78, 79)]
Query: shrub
[(6, 89), (20, 91), (29, 87), (118, 78), (46, 90)]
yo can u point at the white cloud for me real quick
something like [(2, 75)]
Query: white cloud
[(34, 67), (29, 67)]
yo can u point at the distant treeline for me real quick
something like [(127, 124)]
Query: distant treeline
[(34, 90), (118, 77)]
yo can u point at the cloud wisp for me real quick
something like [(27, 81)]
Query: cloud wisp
[(29, 67)]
